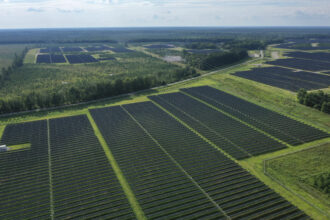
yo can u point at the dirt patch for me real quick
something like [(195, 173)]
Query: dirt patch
[(173, 59), (275, 54)]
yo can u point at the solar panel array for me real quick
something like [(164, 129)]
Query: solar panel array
[(173, 172), (301, 64), (84, 183), (239, 194), (282, 127), (80, 58), (161, 188), (286, 78), (234, 137), (24, 176), (50, 58), (322, 56)]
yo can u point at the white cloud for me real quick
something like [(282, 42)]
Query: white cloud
[(85, 13)]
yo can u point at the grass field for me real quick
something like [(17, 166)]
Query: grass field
[(30, 57), (296, 168), (7, 53)]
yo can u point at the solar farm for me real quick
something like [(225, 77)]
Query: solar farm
[(302, 64), (288, 79), (50, 58), (175, 156), (80, 58), (299, 70), (78, 55)]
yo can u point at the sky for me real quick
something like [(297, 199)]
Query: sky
[(149, 13)]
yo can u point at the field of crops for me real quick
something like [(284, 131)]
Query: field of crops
[(24, 174), (301, 64), (84, 184), (239, 194), (286, 78), (275, 124), (161, 188), (80, 58), (229, 134)]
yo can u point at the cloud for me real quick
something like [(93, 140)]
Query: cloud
[(69, 11), (35, 10), (114, 13)]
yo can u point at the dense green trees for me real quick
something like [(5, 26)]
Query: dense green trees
[(318, 100), (89, 92), (201, 45)]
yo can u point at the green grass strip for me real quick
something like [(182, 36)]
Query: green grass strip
[(2, 129), (129, 193), (20, 146), (50, 174)]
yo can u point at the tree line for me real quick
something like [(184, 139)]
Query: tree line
[(318, 100), (17, 62), (89, 92)]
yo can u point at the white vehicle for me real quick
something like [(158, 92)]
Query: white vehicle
[(3, 148)]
